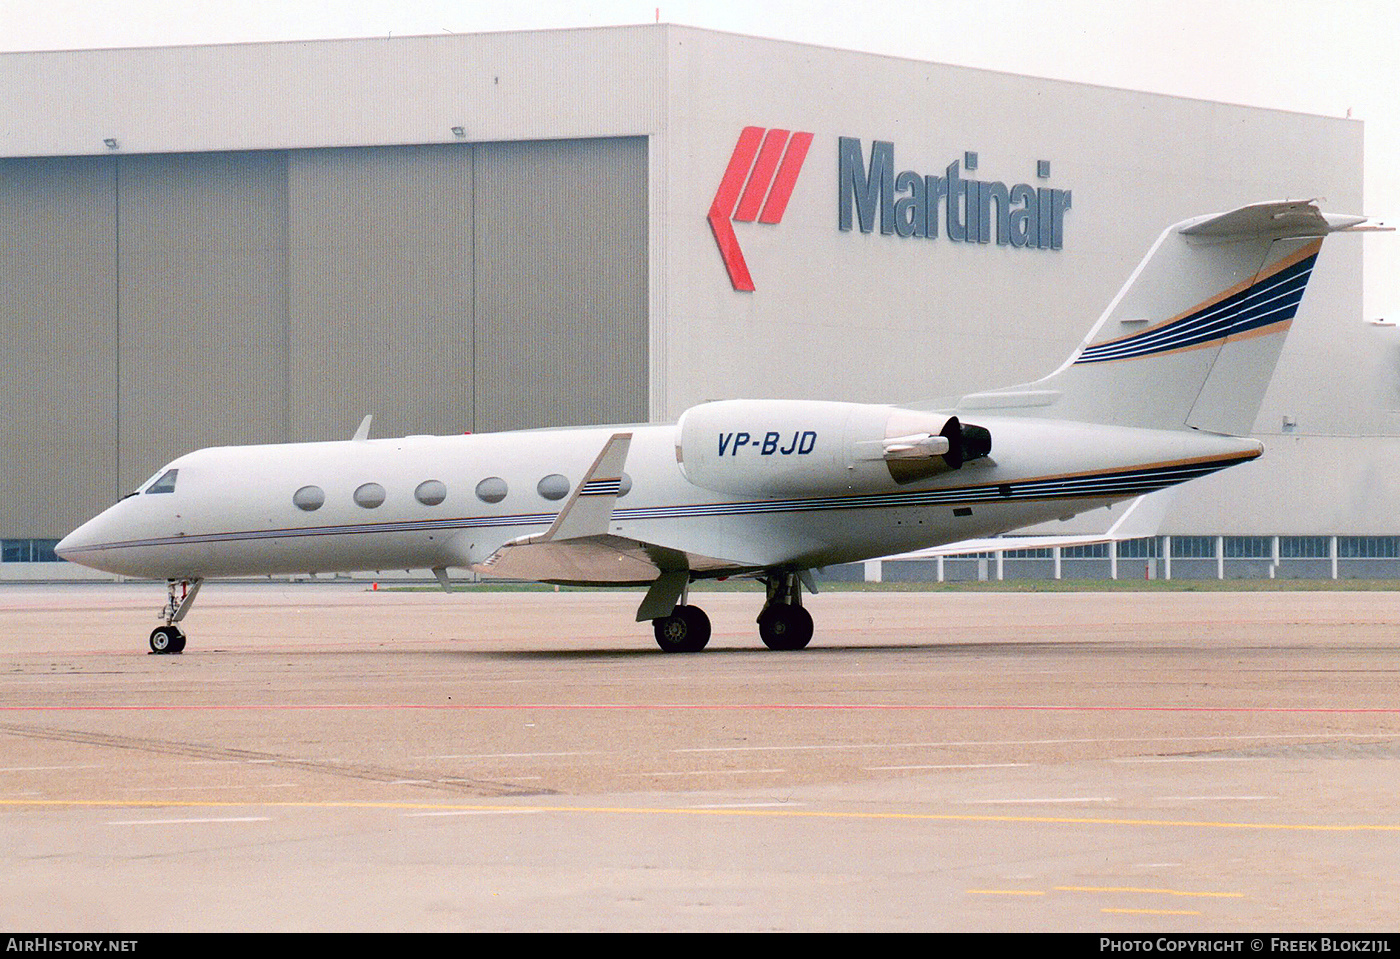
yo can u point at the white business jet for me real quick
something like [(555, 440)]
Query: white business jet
[(1161, 391)]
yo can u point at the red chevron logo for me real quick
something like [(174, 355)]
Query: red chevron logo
[(764, 166)]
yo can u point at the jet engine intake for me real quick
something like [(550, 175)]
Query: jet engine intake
[(776, 447)]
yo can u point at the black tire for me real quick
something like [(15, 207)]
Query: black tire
[(167, 639), (784, 626), (687, 630)]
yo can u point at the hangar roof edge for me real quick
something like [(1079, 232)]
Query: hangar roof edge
[(353, 91)]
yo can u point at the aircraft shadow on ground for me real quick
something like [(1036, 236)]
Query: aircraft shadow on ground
[(1000, 649)]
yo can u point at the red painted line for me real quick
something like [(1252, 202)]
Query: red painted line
[(774, 707), (722, 207), (761, 176), (787, 178)]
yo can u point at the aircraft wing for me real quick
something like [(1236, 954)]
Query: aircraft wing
[(602, 559), (1143, 517), (577, 547)]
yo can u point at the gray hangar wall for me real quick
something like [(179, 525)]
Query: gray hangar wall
[(158, 303), (882, 316)]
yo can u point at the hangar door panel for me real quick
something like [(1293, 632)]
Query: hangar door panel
[(561, 283), (379, 251), (59, 323), (201, 273)]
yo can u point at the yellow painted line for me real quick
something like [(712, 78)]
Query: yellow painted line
[(1154, 912), (1005, 892), (1156, 892), (669, 811)]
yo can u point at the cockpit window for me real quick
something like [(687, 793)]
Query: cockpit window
[(166, 483)]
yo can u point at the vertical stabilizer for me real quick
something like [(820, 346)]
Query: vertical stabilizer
[(1192, 339)]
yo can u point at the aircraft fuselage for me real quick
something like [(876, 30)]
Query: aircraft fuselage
[(232, 510)]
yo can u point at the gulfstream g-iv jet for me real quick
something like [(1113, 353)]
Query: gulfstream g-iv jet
[(1161, 391)]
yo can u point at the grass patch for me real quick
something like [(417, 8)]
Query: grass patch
[(1005, 586)]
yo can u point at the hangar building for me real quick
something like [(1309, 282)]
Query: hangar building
[(263, 242)]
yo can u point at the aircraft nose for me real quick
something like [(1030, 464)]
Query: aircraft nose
[(65, 546), (72, 544), (78, 545)]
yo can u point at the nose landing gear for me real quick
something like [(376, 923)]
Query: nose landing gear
[(170, 638), (167, 639)]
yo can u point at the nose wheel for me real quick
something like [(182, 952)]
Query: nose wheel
[(167, 639), (170, 638)]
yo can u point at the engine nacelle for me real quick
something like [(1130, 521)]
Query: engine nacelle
[(773, 447)]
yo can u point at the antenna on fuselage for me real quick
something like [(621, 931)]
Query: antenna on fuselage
[(362, 433)]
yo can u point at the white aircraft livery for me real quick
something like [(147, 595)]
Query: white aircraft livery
[(1162, 390)]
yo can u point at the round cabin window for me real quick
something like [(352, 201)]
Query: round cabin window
[(369, 495), (430, 492), (493, 489), (553, 486), (309, 498)]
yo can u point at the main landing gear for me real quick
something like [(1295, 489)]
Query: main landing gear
[(170, 638), (783, 623), (686, 630)]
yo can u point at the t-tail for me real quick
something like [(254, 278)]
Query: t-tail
[(1192, 339)]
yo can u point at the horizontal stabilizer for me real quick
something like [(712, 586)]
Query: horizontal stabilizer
[(1275, 219)]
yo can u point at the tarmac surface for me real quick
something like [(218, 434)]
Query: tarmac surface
[(324, 757)]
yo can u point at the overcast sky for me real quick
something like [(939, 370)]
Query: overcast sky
[(1316, 56)]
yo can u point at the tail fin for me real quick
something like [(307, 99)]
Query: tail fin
[(1191, 340)]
